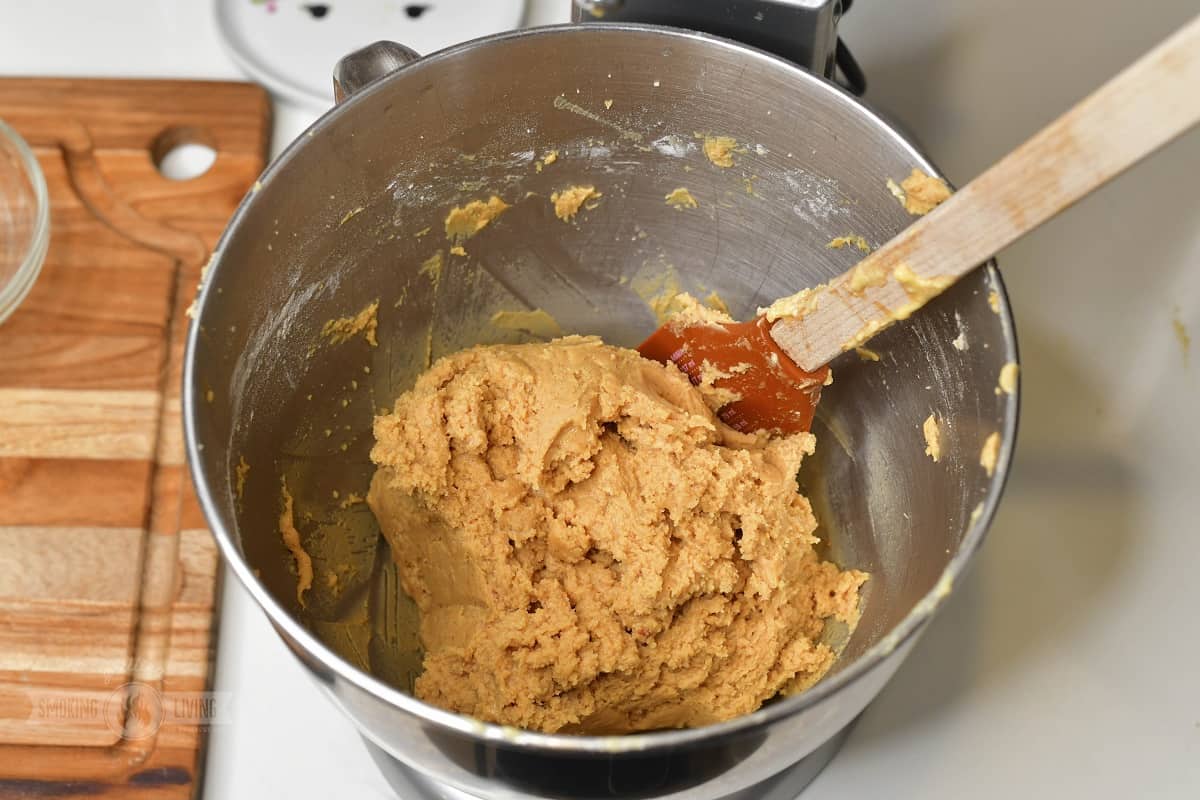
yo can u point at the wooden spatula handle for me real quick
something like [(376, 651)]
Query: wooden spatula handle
[(1140, 110)]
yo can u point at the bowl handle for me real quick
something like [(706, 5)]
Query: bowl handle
[(367, 65)]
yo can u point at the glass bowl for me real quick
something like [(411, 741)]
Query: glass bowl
[(24, 220)]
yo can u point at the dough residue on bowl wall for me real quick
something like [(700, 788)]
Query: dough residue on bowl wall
[(989, 455), (343, 329), (463, 222), (866, 354), (662, 292), (681, 198), (241, 472), (838, 242), (568, 201), (719, 150), (291, 540), (933, 438), (536, 322), (1007, 382), (919, 193)]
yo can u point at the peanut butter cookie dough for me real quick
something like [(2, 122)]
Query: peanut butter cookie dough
[(592, 550)]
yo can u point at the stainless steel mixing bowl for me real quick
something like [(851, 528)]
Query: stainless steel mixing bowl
[(352, 211)]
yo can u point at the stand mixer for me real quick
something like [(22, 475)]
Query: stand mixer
[(414, 136)]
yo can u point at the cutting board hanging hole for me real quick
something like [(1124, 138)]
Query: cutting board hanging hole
[(183, 153)]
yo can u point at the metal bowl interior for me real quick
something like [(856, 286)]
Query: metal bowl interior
[(353, 212), (24, 220)]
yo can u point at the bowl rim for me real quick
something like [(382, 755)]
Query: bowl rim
[(15, 290), (568, 744)]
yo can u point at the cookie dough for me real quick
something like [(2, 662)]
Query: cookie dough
[(681, 198), (592, 550), (291, 540), (343, 329), (933, 438), (568, 201), (838, 242), (920, 193), (719, 150), (463, 222), (990, 454)]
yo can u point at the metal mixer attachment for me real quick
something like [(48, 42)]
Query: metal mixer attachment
[(803, 31)]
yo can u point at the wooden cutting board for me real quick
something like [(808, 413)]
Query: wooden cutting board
[(107, 571)]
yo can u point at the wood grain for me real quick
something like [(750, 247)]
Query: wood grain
[(1143, 108), (107, 573)]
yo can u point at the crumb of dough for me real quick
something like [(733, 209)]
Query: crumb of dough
[(666, 298), (919, 288), (896, 191), (291, 539), (933, 438), (922, 193), (658, 292), (866, 354), (349, 215), (798, 305), (458, 250), (331, 580), (463, 222), (716, 397), (683, 310), (568, 201), (352, 499), (1181, 334), (422, 232), (717, 303), (838, 242), (432, 267), (193, 307), (592, 551), (240, 472), (1008, 378), (209, 396), (990, 454), (960, 342), (343, 329), (993, 299), (719, 150), (536, 322), (976, 513), (681, 198), (608, 104)]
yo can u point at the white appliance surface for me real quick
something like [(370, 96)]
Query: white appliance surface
[(1066, 664)]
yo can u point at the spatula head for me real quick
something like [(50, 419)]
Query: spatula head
[(776, 395)]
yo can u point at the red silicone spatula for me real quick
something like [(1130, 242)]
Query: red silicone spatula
[(1131, 116)]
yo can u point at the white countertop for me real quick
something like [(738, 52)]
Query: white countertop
[(1067, 662)]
